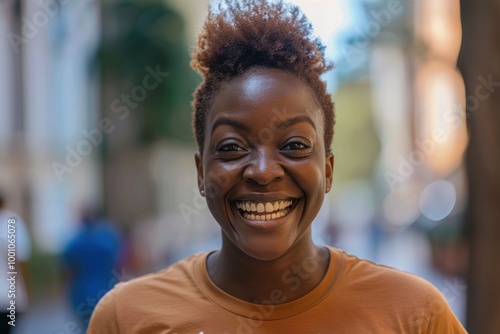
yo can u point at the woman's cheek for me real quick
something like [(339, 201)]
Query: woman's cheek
[(311, 175), (215, 180)]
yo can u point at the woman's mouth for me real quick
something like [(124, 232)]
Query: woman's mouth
[(264, 211)]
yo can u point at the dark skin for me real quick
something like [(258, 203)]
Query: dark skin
[(264, 144)]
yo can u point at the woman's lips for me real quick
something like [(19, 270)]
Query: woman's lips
[(264, 211)]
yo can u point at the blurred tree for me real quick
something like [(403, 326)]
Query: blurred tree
[(146, 90), (148, 33), (357, 133), (480, 65)]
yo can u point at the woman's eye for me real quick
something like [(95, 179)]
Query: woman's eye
[(295, 146), (229, 148)]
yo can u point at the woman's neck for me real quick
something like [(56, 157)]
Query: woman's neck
[(287, 278)]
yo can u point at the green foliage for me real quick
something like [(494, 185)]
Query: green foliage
[(44, 275), (355, 144), (138, 34)]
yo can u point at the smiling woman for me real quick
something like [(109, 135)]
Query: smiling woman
[(289, 164), (263, 122)]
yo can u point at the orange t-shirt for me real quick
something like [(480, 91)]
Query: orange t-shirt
[(355, 296)]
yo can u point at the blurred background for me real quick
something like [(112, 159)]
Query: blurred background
[(96, 148)]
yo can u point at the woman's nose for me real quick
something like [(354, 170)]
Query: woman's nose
[(264, 169)]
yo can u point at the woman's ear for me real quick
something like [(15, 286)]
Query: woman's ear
[(329, 163), (199, 169)]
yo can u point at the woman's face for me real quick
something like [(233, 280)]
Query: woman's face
[(264, 167)]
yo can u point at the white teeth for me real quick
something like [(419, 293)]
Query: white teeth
[(264, 211), (269, 207), (260, 208), (266, 217)]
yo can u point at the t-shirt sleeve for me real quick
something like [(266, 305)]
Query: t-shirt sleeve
[(440, 317), (104, 318)]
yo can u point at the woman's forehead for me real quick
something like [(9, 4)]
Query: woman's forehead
[(257, 79), (267, 101), (264, 90)]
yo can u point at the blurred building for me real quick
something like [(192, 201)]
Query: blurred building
[(400, 193), (49, 100), (60, 129)]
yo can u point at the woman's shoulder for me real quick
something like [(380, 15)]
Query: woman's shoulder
[(176, 282), (389, 293), (149, 296), (178, 274), (363, 275)]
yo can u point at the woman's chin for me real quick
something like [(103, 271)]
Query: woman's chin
[(264, 251)]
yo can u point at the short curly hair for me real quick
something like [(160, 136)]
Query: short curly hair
[(255, 33)]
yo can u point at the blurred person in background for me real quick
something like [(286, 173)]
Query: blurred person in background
[(92, 261), (13, 302), (263, 122)]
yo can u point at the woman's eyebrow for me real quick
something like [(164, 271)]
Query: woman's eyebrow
[(295, 120), (227, 121)]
